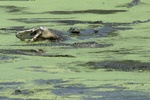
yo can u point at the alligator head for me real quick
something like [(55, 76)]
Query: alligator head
[(38, 33), (26, 34), (74, 31)]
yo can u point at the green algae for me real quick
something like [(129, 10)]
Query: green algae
[(35, 77)]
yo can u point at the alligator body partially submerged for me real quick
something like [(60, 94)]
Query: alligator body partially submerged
[(56, 36)]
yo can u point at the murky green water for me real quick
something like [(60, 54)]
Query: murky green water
[(93, 73)]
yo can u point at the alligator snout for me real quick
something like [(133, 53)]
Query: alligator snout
[(25, 34), (18, 35)]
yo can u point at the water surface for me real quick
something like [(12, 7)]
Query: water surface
[(85, 75)]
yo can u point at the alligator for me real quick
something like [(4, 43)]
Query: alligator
[(43, 33), (54, 35)]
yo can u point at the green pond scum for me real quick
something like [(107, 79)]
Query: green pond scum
[(41, 71)]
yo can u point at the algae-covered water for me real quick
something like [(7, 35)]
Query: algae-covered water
[(118, 72)]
